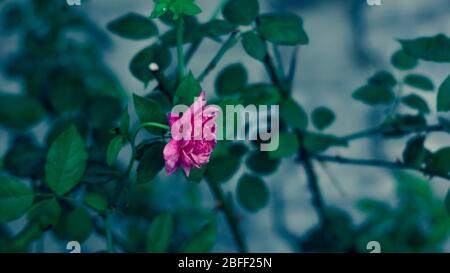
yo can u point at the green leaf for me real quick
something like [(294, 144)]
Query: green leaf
[(383, 78), (419, 81), (434, 49), (221, 168), (160, 233), (67, 92), (15, 198), (196, 174), (403, 61), (231, 80), (252, 193), (218, 27), (443, 97), (66, 162), (96, 201), (288, 145), (148, 110), (176, 7), (293, 114), (254, 46), (187, 91), (415, 153), (416, 102), (261, 163), (46, 213), (399, 121), (151, 164), (139, 65), (203, 241), (25, 159), (192, 32), (19, 112), (316, 143), (374, 95), (260, 94), (241, 12), (438, 162), (447, 201), (114, 148), (322, 117), (238, 149), (61, 125), (104, 111), (125, 122), (75, 225), (283, 29), (133, 26)]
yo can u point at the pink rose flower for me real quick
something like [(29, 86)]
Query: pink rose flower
[(193, 137)]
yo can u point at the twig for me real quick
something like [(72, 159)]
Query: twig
[(380, 129), (223, 49), (377, 163)]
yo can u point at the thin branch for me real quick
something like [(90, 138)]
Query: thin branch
[(377, 163), (229, 43), (271, 70), (293, 66), (382, 130)]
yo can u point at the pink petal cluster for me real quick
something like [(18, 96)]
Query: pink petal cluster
[(193, 137)]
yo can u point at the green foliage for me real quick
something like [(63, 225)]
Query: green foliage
[(149, 110), (438, 161), (133, 26), (15, 198), (315, 143), (415, 152), (288, 145), (151, 163), (139, 65), (241, 12), (283, 29), (403, 61), (160, 233), (177, 7), (252, 193), (187, 91), (434, 49), (419, 81), (373, 95), (19, 112), (416, 102), (443, 97), (25, 158), (322, 117), (74, 225), (46, 213), (447, 201), (96, 201), (261, 163), (218, 27), (203, 240), (114, 148), (293, 114), (66, 162), (231, 80), (260, 94), (254, 46)]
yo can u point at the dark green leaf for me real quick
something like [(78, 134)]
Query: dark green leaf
[(241, 12), (252, 193), (238, 149), (322, 117), (416, 102), (443, 97), (114, 148), (447, 201), (133, 26), (96, 201), (19, 112), (197, 174), (218, 27), (293, 114), (261, 163), (202, 241), (176, 7), (231, 80), (66, 162), (139, 65), (46, 213), (400, 121), (103, 111), (415, 153), (187, 91), (374, 95), (254, 46), (261, 94), (288, 145), (403, 61), (383, 79), (221, 168), (160, 233), (75, 225), (25, 159), (419, 81), (67, 93), (438, 162), (316, 143), (283, 29), (149, 110), (434, 49), (125, 122), (15, 198), (151, 164), (63, 124)]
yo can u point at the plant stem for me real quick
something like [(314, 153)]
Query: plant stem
[(229, 215), (229, 43), (377, 163), (380, 129), (180, 30), (164, 84), (109, 238), (273, 74)]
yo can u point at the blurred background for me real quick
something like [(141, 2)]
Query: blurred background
[(349, 42)]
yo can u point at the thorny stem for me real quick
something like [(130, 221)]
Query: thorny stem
[(229, 43), (229, 215), (377, 163)]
